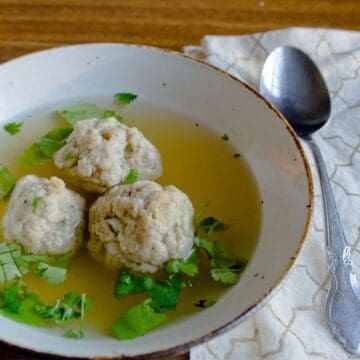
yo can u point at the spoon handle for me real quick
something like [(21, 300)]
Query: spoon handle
[(343, 300)]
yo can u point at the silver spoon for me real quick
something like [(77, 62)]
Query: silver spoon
[(293, 83)]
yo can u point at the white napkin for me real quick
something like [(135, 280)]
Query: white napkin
[(292, 326)]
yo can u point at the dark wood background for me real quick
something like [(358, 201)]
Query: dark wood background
[(30, 25)]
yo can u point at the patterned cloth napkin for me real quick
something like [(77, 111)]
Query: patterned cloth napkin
[(292, 325)]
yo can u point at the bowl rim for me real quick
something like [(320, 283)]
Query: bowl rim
[(182, 348)]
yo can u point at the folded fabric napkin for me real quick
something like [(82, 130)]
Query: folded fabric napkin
[(292, 324)]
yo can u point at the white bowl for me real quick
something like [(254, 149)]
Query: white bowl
[(198, 90)]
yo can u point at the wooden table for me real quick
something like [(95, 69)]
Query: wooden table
[(27, 26)]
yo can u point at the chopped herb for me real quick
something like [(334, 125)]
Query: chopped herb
[(127, 284), (14, 264), (137, 321), (85, 111), (45, 148), (13, 128), (7, 182), (110, 113), (224, 275), (72, 306), (69, 156), (124, 98), (53, 274), (36, 203), (203, 303), (225, 137), (224, 268), (188, 267), (206, 244), (34, 156), (164, 295), (236, 155), (11, 299), (79, 112), (53, 141), (210, 224), (17, 302), (132, 177)]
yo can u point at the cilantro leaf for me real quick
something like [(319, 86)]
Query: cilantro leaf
[(7, 182), (128, 284), (164, 295), (8, 267), (204, 244), (45, 148), (14, 264), (34, 156), (11, 300), (164, 298), (79, 112), (17, 303), (53, 141), (110, 113), (210, 224), (188, 267), (124, 98), (137, 321), (53, 274), (72, 306), (13, 127), (224, 268), (224, 275), (132, 177), (35, 203)]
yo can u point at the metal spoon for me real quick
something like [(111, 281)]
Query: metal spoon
[(293, 83)]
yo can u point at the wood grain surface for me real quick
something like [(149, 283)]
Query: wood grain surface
[(27, 26)]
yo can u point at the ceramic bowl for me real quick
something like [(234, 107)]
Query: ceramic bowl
[(206, 94)]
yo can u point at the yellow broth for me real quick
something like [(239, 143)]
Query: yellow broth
[(197, 161)]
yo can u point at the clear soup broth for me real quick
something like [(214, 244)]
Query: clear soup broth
[(196, 160)]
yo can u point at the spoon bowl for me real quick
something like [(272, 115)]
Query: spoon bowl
[(293, 83)]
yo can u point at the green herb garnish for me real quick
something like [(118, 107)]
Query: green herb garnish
[(35, 203), (13, 127), (79, 112), (7, 182), (137, 321), (132, 177), (210, 224), (72, 306), (225, 137), (53, 274), (45, 148), (69, 156), (14, 263), (164, 295), (187, 266), (17, 302), (124, 98)]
